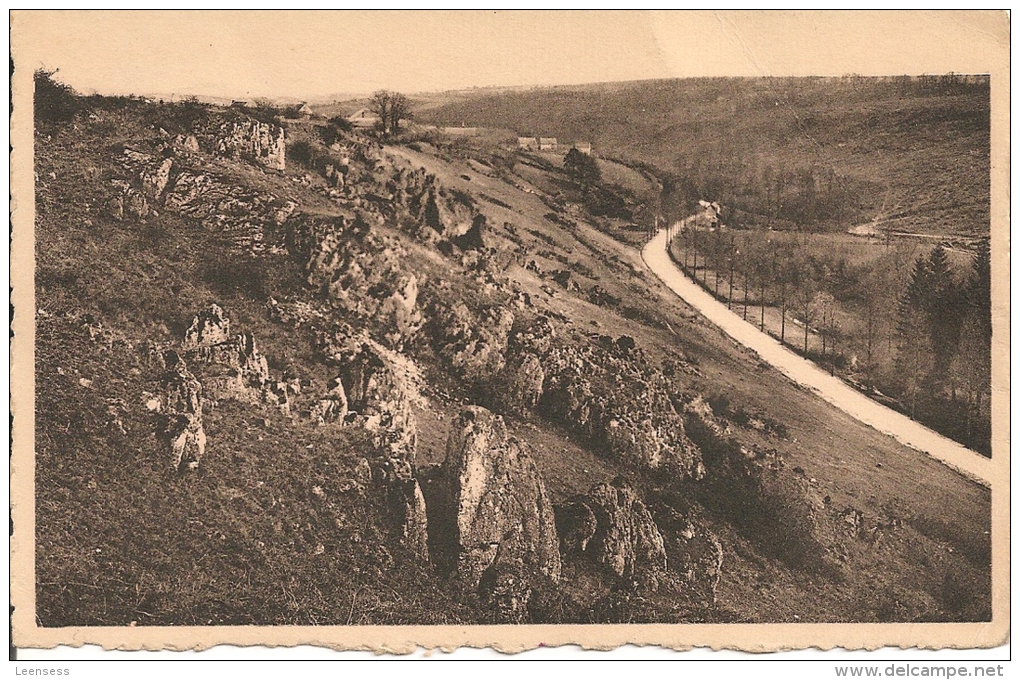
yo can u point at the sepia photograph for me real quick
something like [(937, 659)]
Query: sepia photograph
[(385, 330)]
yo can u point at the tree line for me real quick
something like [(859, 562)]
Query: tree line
[(807, 196)]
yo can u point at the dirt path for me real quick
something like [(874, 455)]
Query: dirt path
[(809, 375)]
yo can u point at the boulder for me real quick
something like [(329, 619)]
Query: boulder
[(519, 387), (380, 395), (496, 506), (209, 327), (251, 140), (333, 405), (611, 526), (180, 427)]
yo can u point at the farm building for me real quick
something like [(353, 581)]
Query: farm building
[(583, 147), (238, 104), (546, 143), (710, 213), (363, 118), (305, 110), (527, 143)]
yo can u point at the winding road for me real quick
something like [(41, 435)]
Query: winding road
[(809, 375)]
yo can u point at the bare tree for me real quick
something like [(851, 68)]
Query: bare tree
[(400, 109), (380, 105), (391, 107)]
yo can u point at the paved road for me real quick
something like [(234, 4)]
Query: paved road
[(809, 375)]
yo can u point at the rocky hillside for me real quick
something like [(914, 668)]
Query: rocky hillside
[(281, 381)]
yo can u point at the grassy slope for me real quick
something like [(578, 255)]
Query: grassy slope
[(918, 160), (119, 540)]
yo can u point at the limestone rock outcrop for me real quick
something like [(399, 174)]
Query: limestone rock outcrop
[(494, 513), (612, 527), (232, 365), (209, 327), (185, 143), (380, 387), (610, 395), (473, 344), (252, 140), (359, 272), (522, 382), (180, 427), (332, 406), (243, 214)]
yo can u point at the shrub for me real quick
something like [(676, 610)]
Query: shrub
[(54, 101), (301, 151), (178, 117)]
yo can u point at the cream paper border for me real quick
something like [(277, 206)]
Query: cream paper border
[(986, 34)]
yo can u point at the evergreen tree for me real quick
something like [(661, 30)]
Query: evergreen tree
[(943, 303), (582, 168), (972, 366), (914, 351)]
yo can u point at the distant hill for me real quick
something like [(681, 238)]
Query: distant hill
[(905, 154)]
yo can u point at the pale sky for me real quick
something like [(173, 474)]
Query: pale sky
[(314, 54)]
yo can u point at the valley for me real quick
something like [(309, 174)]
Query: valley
[(294, 374)]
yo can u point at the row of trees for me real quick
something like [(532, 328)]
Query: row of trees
[(778, 271), (921, 334)]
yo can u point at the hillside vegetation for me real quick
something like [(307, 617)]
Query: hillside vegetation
[(899, 154), (281, 381)]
